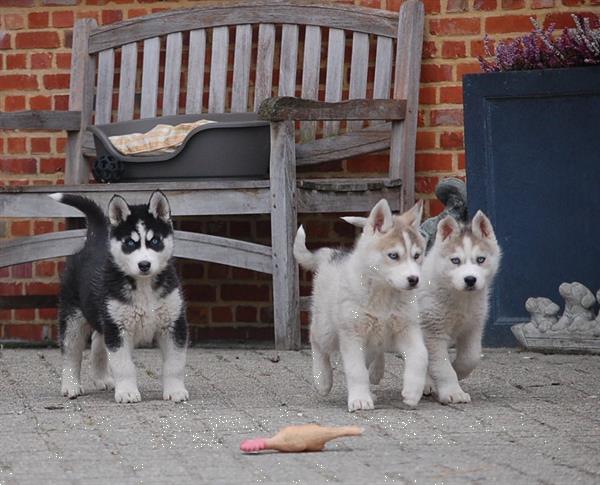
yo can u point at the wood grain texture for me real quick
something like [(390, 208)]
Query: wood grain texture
[(172, 74), (218, 70), (311, 69), (289, 108), (406, 86), (81, 98), (150, 70), (104, 89), (263, 85), (335, 75), (241, 69), (283, 230), (288, 60), (127, 82), (195, 73), (383, 68), (337, 15), (41, 120)]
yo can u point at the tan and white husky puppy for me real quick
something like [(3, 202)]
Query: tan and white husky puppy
[(453, 301), (363, 304)]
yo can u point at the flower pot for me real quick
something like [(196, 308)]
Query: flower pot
[(532, 141)]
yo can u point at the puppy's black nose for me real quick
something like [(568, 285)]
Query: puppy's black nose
[(144, 266), (413, 281), (470, 281)]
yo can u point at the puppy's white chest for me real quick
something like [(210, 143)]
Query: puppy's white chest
[(146, 313)]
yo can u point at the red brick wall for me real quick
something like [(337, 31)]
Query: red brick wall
[(228, 302)]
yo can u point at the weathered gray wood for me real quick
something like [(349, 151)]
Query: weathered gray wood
[(335, 75), (346, 145), (241, 68), (104, 91), (41, 120), (348, 185), (81, 98), (383, 68), (127, 82), (310, 76), (288, 60), (359, 64), (336, 15), (406, 86), (289, 108), (218, 70), (283, 230), (317, 201), (195, 73), (150, 71), (263, 86), (172, 74), (28, 301), (189, 245)]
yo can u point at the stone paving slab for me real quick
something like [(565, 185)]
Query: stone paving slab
[(534, 419)]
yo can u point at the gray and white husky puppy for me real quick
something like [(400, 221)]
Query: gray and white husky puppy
[(364, 303), (122, 288), (453, 301)]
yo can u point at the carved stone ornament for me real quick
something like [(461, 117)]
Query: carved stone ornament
[(577, 329)]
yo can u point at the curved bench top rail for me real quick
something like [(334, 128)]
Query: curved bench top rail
[(333, 15)]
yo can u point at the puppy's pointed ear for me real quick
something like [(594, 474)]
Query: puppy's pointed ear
[(380, 219), (159, 207), (413, 216), (355, 221), (446, 228), (482, 227), (118, 210)]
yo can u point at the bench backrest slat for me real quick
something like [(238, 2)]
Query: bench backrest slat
[(241, 68), (288, 60), (264, 64), (218, 70), (150, 69), (195, 72), (359, 67), (172, 74), (310, 76), (335, 74), (127, 82), (383, 68), (104, 91)]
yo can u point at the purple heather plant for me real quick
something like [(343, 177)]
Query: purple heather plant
[(579, 46)]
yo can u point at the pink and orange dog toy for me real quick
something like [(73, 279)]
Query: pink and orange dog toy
[(305, 437)]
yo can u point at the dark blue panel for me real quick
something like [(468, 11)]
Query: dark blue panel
[(533, 164)]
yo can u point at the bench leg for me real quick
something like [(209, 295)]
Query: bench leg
[(283, 229)]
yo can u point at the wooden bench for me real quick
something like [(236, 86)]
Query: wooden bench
[(335, 49)]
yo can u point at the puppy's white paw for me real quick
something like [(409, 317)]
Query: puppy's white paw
[(453, 395), (411, 397), (71, 390), (429, 388), (127, 394), (358, 403), (175, 392), (322, 385), (103, 383)]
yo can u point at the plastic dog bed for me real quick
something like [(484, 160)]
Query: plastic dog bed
[(236, 146)]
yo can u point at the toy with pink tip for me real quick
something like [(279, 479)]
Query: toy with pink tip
[(304, 437)]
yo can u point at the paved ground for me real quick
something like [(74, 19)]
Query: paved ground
[(534, 419)]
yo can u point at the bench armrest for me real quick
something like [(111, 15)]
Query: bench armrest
[(298, 109), (41, 120)]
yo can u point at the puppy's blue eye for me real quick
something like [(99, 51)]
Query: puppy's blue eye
[(154, 241), (455, 260), (393, 255), (130, 243), (480, 259)]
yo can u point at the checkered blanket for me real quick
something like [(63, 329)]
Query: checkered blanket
[(160, 139)]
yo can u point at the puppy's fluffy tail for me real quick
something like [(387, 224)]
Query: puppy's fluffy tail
[(305, 258), (96, 220)]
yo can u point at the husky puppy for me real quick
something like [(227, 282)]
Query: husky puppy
[(363, 304), (453, 301), (123, 287)]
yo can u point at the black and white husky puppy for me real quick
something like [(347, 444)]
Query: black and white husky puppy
[(123, 287)]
